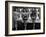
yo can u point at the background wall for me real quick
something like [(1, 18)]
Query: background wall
[(2, 18)]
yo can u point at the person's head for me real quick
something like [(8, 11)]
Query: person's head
[(33, 14), (24, 17)]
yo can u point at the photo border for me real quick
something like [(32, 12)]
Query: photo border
[(6, 18)]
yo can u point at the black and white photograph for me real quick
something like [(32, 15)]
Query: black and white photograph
[(24, 18)]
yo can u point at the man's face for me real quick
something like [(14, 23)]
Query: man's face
[(33, 14), (25, 17)]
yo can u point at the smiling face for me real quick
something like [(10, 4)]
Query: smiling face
[(25, 17), (33, 14)]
